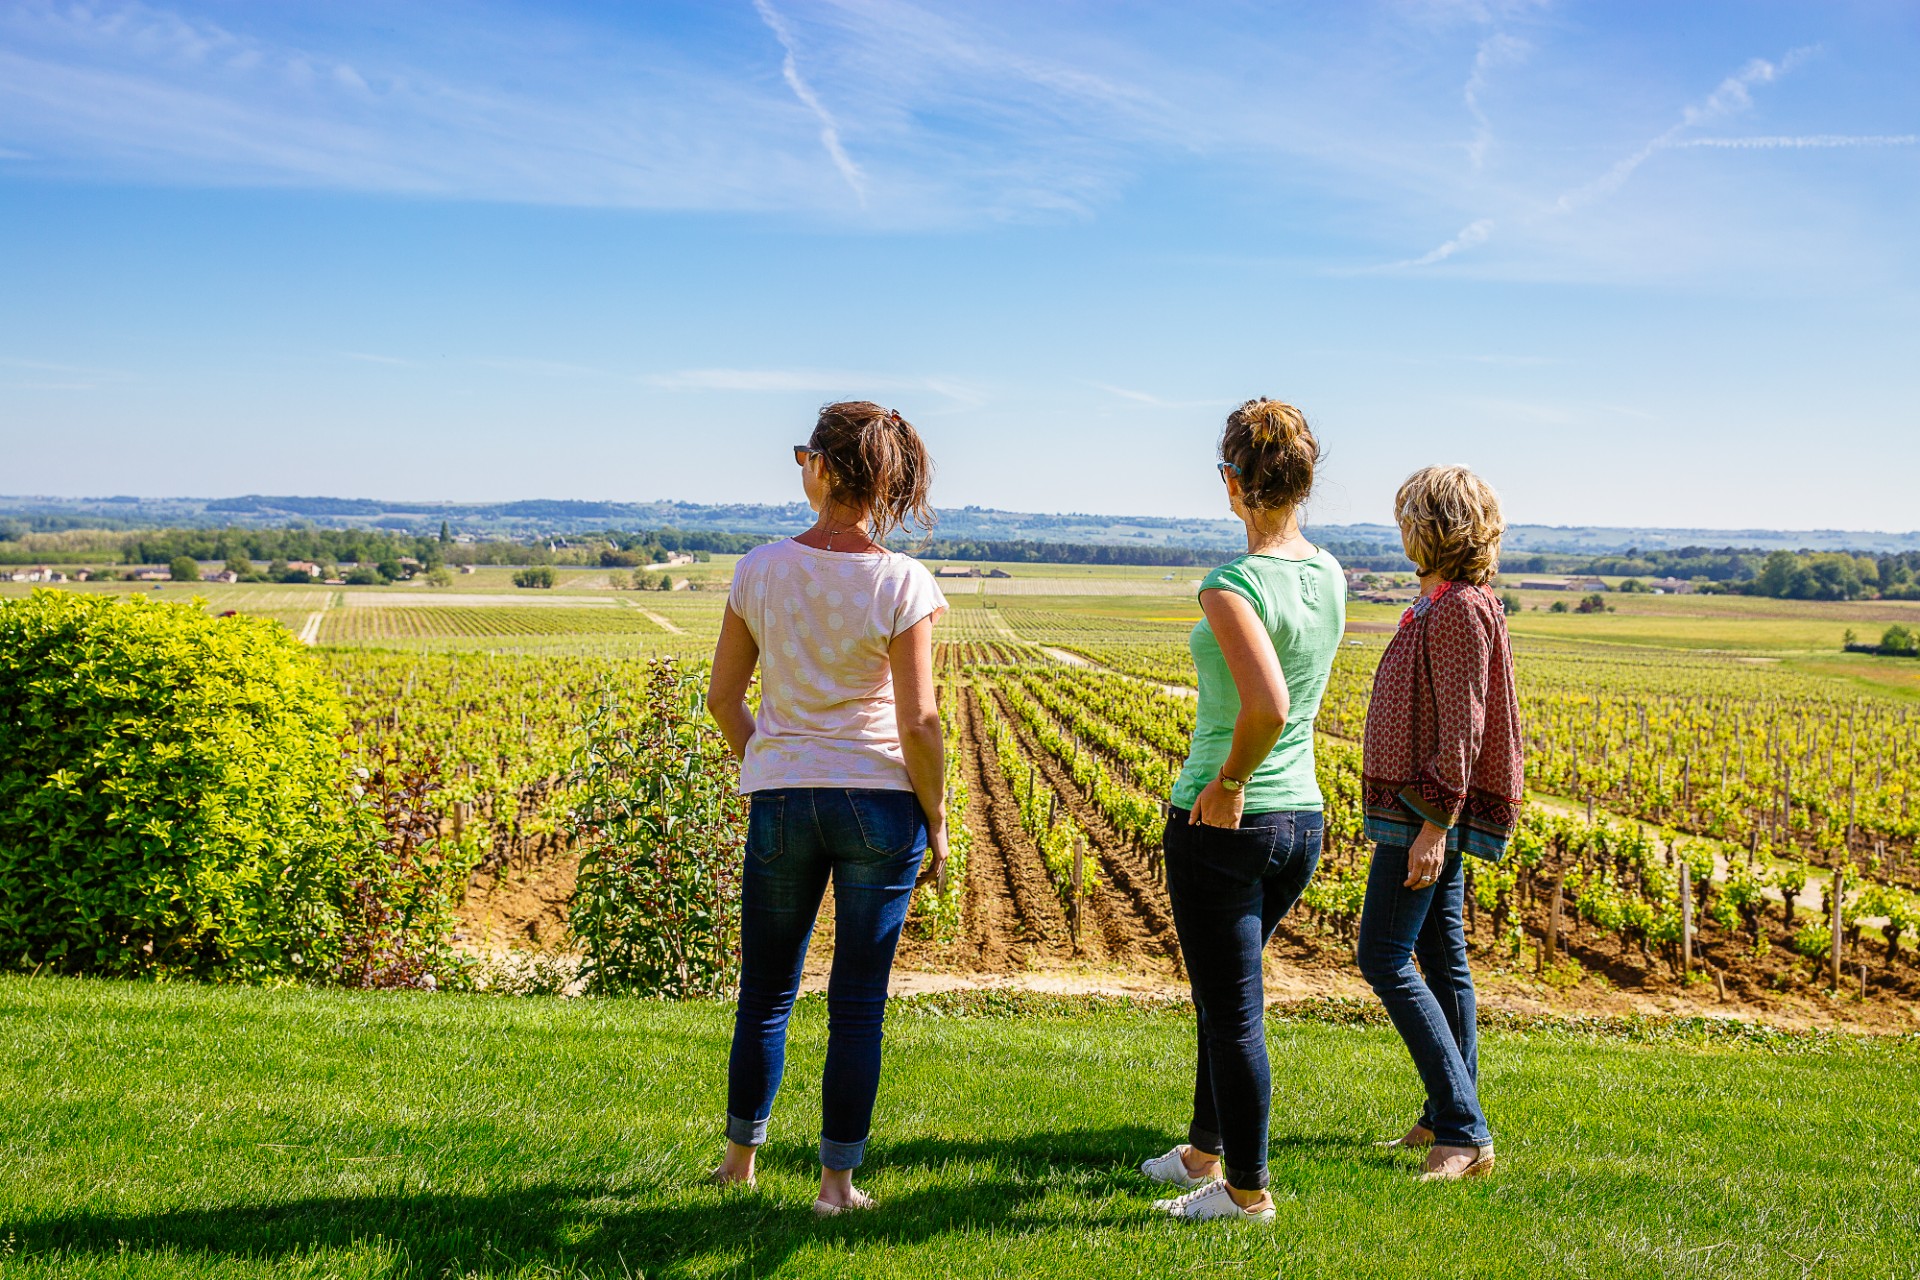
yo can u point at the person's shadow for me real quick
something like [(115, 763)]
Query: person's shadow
[(651, 1231)]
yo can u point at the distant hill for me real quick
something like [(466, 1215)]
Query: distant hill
[(982, 524)]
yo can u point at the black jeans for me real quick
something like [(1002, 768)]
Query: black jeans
[(1229, 890)]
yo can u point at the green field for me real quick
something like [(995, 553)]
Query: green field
[(156, 1132)]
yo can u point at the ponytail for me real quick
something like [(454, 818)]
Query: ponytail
[(875, 461)]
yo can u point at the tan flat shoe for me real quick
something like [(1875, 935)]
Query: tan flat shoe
[(1450, 1164), (1416, 1138)]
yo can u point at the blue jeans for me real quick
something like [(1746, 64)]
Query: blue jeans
[(1435, 1016), (870, 843), (1229, 889)]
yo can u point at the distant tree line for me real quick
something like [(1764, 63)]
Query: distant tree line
[(1783, 575), (20, 545), (1026, 551), (1804, 575)]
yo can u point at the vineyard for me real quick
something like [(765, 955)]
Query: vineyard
[(1666, 784)]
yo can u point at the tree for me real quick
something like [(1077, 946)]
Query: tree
[(446, 535), (184, 569), (1509, 603), (391, 570), (666, 582), (1631, 586), (439, 576), (1898, 640), (365, 575), (537, 576), (1558, 606)]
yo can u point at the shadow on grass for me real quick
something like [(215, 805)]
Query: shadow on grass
[(998, 1185)]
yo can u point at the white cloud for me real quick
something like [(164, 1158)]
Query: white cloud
[(1157, 402), (1732, 96), (1804, 141), (825, 381), (1474, 233), (829, 129), (1497, 50)]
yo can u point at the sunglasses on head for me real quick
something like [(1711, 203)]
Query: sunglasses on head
[(802, 452)]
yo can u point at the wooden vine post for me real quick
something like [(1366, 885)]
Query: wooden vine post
[(1079, 871), (1160, 853), (1553, 915), (1839, 888), (1686, 921)]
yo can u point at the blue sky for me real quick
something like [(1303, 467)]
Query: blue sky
[(1640, 263)]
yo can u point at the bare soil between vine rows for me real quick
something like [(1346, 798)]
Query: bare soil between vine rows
[(1016, 934)]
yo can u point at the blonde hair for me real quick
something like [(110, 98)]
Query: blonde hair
[(1274, 452), (1450, 521)]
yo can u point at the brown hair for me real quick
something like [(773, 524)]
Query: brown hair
[(876, 462), (1450, 521), (1275, 450)]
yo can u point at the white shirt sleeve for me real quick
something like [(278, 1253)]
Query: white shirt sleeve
[(920, 597), (744, 571)]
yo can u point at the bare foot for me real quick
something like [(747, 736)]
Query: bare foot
[(1449, 1163), (1417, 1137), (1252, 1201), (853, 1199), (736, 1169), (1199, 1164)]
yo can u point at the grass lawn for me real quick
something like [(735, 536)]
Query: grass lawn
[(157, 1131)]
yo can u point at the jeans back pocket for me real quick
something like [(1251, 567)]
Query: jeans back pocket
[(1238, 854), (889, 821), (766, 827)]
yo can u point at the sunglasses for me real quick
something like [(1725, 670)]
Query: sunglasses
[(1225, 468), (802, 452)]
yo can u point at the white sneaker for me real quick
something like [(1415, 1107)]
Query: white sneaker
[(1209, 1202), (1171, 1169)]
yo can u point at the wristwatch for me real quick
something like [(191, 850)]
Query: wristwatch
[(1231, 785)]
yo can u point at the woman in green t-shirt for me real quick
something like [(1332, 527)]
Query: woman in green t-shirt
[(1244, 836)]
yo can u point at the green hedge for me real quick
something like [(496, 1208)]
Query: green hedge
[(174, 797)]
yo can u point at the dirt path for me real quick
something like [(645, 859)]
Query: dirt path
[(660, 622)]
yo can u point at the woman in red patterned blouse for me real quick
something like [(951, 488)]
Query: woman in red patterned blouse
[(1442, 778)]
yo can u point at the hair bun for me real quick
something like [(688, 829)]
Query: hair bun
[(1275, 450), (1271, 422)]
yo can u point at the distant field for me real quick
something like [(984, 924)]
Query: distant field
[(371, 625)]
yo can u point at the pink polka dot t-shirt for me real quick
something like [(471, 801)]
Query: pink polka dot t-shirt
[(823, 621)]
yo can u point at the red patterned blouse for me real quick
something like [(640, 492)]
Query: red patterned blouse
[(1443, 729)]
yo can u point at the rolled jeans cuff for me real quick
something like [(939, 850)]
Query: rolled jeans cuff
[(1243, 1179), (1203, 1140), (746, 1133), (841, 1155)]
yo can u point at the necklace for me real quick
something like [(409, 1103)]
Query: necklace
[(837, 533)]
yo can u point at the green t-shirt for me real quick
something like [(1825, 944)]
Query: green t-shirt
[(1304, 604)]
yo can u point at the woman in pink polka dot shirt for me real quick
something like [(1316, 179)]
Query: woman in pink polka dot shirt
[(844, 765)]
